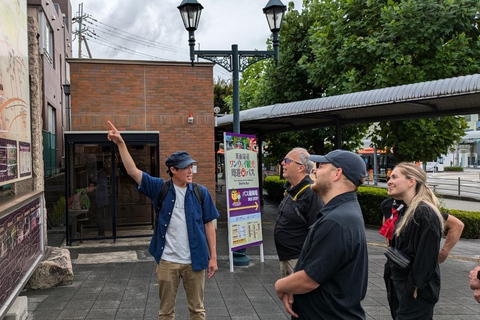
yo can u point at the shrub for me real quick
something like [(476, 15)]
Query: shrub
[(275, 187), (470, 219), (370, 199), (453, 169)]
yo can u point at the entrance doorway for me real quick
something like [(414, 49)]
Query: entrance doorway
[(103, 200)]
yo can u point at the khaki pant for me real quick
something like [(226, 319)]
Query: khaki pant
[(168, 276), (286, 267)]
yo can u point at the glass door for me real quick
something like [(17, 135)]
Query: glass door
[(134, 211), (90, 191), (103, 200)]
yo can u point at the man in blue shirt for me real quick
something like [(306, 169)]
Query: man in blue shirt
[(330, 278), (184, 240)]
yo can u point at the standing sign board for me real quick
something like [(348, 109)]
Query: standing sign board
[(243, 193)]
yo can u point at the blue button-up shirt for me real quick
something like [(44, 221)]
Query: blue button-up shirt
[(196, 217)]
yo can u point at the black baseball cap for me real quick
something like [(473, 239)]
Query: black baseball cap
[(353, 166)]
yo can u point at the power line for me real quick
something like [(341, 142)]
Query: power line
[(94, 25), (116, 46), (133, 37), (109, 33)]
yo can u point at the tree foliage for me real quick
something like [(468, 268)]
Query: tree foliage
[(425, 139), (222, 91), (362, 45), (335, 47), (265, 84)]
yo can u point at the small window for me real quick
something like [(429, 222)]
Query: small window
[(46, 37)]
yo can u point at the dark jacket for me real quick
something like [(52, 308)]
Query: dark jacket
[(420, 240), (298, 210)]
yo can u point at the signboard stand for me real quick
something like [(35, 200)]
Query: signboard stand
[(243, 193)]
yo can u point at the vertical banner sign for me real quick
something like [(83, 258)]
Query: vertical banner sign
[(243, 192)]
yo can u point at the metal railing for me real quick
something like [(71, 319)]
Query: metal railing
[(460, 187), (455, 186)]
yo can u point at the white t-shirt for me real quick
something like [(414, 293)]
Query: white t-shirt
[(177, 247)]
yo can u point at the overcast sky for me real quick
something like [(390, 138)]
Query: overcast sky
[(158, 23)]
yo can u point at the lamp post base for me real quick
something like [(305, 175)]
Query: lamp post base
[(240, 258)]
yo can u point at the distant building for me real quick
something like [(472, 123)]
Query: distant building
[(54, 19)]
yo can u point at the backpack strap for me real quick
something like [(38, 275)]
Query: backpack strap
[(197, 190), (161, 196), (294, 202)]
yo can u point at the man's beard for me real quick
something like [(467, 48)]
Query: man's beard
[(321, 187)]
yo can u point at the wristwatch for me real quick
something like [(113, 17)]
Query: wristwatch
[(478, 275)]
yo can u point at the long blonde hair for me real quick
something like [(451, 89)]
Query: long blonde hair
[(423, 193)]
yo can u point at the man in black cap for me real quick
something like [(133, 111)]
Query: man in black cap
[(184, 241), (330, 278)]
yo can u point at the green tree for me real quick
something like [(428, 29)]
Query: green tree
[(424, 132), (264, 84), (362, 45), (316, 141), (222, 91)]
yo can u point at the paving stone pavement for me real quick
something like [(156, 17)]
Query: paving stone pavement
[(129, 290)]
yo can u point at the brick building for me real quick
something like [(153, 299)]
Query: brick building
[(143, 98), (149, 96)]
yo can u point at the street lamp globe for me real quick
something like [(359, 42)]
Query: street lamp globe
[(274, 11), (190, 10)]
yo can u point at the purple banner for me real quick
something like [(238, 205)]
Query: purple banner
[(243, 201)]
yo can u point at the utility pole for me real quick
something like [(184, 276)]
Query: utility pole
[(79, 33)]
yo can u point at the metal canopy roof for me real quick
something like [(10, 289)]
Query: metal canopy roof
[(454, 96)]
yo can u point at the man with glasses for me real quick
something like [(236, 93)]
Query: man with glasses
[(297, 211)]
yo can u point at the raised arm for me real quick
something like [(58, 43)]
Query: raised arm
[(132, 170), (455, 228)]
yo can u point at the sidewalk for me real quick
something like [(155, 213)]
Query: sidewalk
[(127, 288)]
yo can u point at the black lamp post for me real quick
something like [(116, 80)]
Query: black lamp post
[(234, 61)]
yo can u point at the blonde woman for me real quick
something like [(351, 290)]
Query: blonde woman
[(417, 234)]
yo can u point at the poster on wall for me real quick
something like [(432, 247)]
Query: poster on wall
[(15, 141), (21, 248), (242, 192)]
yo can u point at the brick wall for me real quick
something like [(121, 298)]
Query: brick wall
[(147, 96)]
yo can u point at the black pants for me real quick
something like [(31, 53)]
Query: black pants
[(403, 306), (391, 294)]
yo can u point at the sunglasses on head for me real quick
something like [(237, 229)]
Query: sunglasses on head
[(288, 161)]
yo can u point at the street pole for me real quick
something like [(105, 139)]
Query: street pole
[(234, 61), (236, 90)]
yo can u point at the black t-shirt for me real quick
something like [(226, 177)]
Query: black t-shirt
[(295, 216), (387, 209), (335, 256)]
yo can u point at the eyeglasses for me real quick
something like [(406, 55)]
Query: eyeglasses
[(288, 161)]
